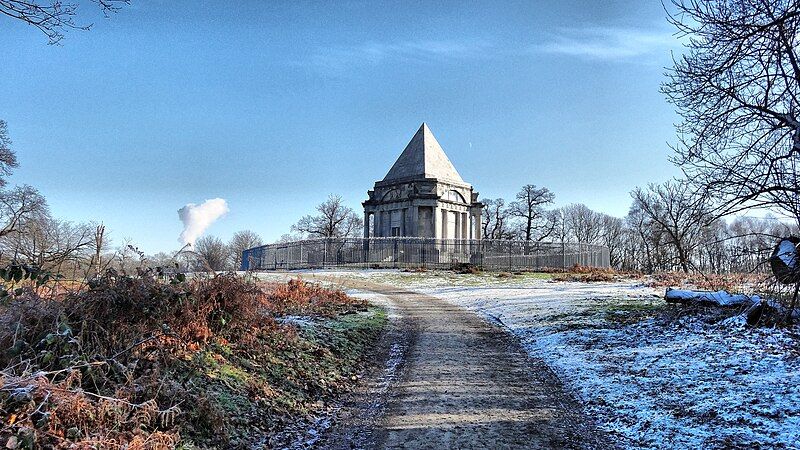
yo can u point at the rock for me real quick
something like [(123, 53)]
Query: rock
[(785, 260)]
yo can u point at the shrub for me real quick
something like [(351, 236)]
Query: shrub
[(593, 274), (137, 363), (465, 268)]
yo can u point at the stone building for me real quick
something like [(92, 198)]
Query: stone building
[(423, 196)]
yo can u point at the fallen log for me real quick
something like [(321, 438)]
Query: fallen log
[(709, 298), (757, 311)]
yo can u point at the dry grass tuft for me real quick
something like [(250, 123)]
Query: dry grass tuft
[(587, 274)]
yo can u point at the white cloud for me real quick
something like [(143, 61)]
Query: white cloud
[(609, 43), (372, 53), (196, 218)]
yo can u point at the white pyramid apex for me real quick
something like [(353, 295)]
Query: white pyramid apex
[(423, 157)]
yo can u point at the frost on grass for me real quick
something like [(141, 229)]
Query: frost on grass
[(651, 378), (685, 385)]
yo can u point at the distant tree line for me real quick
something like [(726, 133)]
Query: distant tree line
[(220, 255), (669, 227)]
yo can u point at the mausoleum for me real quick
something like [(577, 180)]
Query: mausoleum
[(422, 214), (423, 196)]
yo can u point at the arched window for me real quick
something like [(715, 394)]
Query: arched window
[(455, 196), (393, 194)]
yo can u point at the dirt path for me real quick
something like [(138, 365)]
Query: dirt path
[(462, 384)]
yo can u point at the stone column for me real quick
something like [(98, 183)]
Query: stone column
[(445, 218), (414, 228), (464, 226), (437, 223), (376, 224), (366, 225), (471, 226), (457, 228)]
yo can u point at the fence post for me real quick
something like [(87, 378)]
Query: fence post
[(365, 250), (481, 248)]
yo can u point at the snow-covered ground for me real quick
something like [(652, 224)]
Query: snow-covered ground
[(650, 382)]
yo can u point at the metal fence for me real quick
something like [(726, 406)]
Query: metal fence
[(405, 252)]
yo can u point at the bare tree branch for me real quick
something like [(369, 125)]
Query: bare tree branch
[(54, 18), (737, 89), (529, 207), (334, 220)]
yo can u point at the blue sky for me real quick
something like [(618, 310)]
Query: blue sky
[(274, 106)]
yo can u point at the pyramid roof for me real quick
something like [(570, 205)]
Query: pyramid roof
[(423, 157)]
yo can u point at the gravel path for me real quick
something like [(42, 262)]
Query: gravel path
[(463, 383)]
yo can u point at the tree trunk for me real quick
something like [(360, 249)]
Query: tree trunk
[(789, 318)]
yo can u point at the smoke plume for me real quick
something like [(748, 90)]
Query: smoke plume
[(196, 218)]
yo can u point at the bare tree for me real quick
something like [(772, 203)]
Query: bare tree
[(585, 225), (737, 88), (288, 237), (613, 236), (19, 205), (529, 207), (166, 261), (334, 220), (215, 253), (51, 244), (643, 241), (53, 17), (8, 159), (674, 209), (496, 220), (100, 245), (712, 253), (28, 233), (560, 224), (241, 241)]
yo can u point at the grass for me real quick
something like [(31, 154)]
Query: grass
[(322, 361), (594, 313)]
